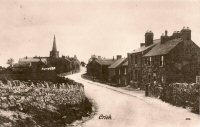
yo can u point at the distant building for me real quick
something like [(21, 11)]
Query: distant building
[(174, 58), (109, 70), (118, 72), (97, 67), (62, 64)]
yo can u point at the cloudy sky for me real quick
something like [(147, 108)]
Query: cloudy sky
[(86, 27)]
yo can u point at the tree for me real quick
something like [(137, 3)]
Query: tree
[(10, 62)]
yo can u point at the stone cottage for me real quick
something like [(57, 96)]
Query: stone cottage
[(97, 67), (118, 72), (174, 58)]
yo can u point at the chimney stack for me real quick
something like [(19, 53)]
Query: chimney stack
[(119, 57), (165, 32), (186, 33), (142, 44), (148, 38), (164, 37)]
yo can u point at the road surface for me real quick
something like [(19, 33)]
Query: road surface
[(132, 109)]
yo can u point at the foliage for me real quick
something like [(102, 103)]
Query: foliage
[(182, 94)]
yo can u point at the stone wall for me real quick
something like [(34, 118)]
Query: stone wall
[(179, 94), (13, 93), (49, 75), (47, 103)]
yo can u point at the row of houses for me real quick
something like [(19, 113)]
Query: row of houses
[(169, 59), (59, 64), (109, 70)]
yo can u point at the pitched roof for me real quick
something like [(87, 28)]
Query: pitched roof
[(125, 64), (31, 59), (162, 49), (105, 61), (141, 49), (117, 63)]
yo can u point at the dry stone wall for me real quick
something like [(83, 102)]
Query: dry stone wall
[(40, 94)]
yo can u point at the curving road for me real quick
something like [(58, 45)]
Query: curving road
[(132, 109)]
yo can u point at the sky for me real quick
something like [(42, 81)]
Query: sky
[(85, 27)]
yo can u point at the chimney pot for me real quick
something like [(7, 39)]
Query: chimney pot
[(165, 32), (119, 57)]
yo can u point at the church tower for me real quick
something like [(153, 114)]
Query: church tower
[(54, 53)]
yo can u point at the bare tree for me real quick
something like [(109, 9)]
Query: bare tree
[(10, 62)]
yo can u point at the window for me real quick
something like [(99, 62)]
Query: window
[(154, 77), (145, 61), (124, 71), (119, 71), (136, 59), (136, 75), (198, 79), (149, 78), (161, 60), (149, 61), (119, 81), (162, 79)]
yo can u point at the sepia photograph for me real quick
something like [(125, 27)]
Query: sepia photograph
[(100, 63)]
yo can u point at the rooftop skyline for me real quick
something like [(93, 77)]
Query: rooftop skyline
[(101, 27)]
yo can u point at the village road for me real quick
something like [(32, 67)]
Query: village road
[(132, 109)]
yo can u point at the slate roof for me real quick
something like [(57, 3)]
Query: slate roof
[(162, 49), (117, 63), (105, 61), (31, 59), (141, 49)]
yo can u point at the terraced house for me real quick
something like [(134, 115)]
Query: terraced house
[(118, 72), (174, 58), (97, 67), (112, 70)]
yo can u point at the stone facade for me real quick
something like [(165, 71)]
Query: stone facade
[(98, 68), (118, 72), (171, 59)]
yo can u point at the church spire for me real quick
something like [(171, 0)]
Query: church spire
[(54, 48), (54, 53)]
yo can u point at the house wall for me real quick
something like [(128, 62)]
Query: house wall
[(62, 65), (111, 77), (183, 63), (135, 70), (105, 72), (94, 69), (123, 76), (180, 65)]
